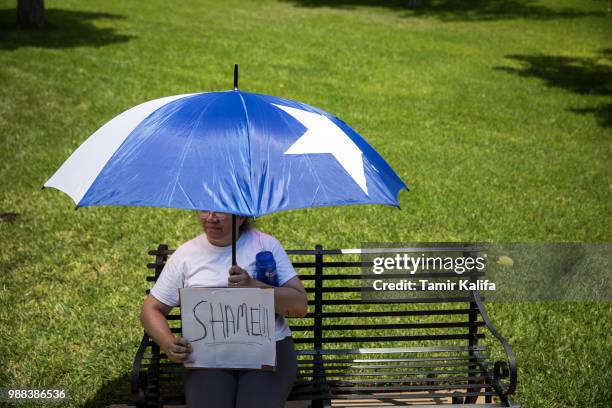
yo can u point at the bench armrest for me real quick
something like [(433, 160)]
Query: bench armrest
[(139, 383), (502, 369)]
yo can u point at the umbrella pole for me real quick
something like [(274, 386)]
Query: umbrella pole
[(234, 215), (233, 239), (235, 77)]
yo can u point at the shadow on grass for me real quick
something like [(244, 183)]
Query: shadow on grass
[(64, 29), (603, 113), (459, 10), (115, 391), (581, 75)]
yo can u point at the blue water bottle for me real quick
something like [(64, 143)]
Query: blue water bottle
[(265, 267)]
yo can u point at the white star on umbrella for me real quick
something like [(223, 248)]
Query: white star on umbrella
[(323, 136)]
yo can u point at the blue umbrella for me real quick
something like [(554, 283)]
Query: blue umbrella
[(238, 152)]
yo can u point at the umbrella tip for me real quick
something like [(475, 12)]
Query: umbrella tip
[(235, 77)]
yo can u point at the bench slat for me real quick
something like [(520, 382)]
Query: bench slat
[(388, 373), (440, 325), (427, 312), (465, 379), (398, 338), (481, 357), (411, 395), (357, 289), (332, 277), (393, 350), (409, 388), (392, 301), (395, 405), (387, 366)]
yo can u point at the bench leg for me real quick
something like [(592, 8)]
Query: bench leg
[(321, 404)]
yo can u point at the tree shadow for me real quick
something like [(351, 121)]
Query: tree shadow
[(460, 10), (115, 391), (63, 29), (603, 113), (581, 75)]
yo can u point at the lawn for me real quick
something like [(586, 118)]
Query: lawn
[(497, 114)]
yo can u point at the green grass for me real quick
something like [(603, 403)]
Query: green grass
[(497, 114)]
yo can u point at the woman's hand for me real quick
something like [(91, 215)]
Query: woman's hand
[(178, 350), (239, 278)]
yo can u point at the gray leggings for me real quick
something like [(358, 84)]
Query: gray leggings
[(244, 388)]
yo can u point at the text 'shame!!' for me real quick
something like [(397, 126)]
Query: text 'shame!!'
[(221, 321)]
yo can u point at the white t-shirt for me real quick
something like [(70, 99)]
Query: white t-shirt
[(198, 263)]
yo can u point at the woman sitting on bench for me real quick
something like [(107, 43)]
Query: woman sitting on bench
[(204, 262)]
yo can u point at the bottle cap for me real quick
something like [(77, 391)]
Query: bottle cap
[(265, 260)]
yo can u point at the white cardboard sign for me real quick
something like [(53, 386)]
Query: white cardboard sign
[(229, 327)]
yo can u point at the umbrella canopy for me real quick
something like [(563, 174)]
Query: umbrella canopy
[(237, 152)]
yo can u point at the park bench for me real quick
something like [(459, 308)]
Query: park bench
[(423, 350)]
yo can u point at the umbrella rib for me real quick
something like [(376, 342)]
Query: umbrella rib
[(248, 122), (311, 169), (184, 155), (193, 205), (319, 184)]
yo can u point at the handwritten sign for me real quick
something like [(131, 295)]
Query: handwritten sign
[(229, 328)]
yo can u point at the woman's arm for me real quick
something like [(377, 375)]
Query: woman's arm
[(289, 299), (153, 319)]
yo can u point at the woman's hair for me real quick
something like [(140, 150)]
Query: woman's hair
[(247, 224)]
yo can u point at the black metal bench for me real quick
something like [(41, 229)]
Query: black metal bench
[(421, 350)]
